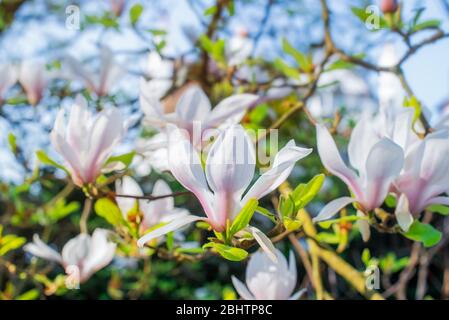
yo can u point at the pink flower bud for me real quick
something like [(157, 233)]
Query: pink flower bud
[(389, 6)]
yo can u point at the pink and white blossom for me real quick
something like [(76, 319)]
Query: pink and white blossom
[(34, 78), (155, 211), (8, 77), (229, 170), (378, 161), (86, 141), (266, 280), (86, 253)]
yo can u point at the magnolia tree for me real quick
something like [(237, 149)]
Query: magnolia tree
[(246, 157)]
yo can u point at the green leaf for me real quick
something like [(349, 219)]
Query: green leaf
[(291, 224), (135, 12), (10, 242), (366, 256), (227, 252), (304, 193), (126, 158), (266, 213), (210, 11), (286, 69), (365, 15), (12, 142), (157, 32), (301, 59), (170, 240), (286, 206), (438, 208), (244, 217), (32, 294), (390, 201), (424, 233), (45, 159), (108, 210), (414, 103), (429, 24)]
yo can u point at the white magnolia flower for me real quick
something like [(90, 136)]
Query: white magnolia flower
[(266, 280), (102, 81), (230, 168), (378, 161), (34, 78), (86, 142), (8, 77), (86, 253), (154, 212), (194, 108), (160, 72), (239, 48)]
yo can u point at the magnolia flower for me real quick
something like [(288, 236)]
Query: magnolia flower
[(378, 162), (426, 172), (155, 211), (102, 81), (194, 108), (117, 6), (160, 72), (239, 48), (34, 78), (230, 167), (267, 280), (389, 6), (85, 142), (8, 77), (87, 254)]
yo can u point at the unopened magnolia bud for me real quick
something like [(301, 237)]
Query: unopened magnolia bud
[(389, 6)]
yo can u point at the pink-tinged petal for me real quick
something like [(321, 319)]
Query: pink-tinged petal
[(101, 252), (185, 165), (8, 77), (435, 162), (171, 226), (150, 104), (154, 210), (363, 138), (229, 170), (383, 165), (77, 70), (193, 105), (363, 226), (232, 109), (332, 161), (110, 72), (402, 213), (34, 79), (127, 186), (78, 123), (282, 167), (76, 250), (241, 289), (265, 243), (331, 209), (438, 200), (39, 249)]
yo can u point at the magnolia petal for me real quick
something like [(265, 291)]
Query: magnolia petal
[(282, 166), (330, 209), (332, 161), (363, 137), (298, 294), (129, 187), (438, 200), (193, 105), (231, 163), (363, 226), (171, 226), (241, 289), (232, 109), (402, 213), (265, 243), (101, 253), (39, 249), (383, 165), (76, 250)]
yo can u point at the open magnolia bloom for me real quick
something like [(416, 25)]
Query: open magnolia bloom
[(102, 81), (378, 162), (8, 77), (34, 78), (266, 280), (85, 141), (426, 172), (194, 113), (230, 168), (153, 212), (83, 255)]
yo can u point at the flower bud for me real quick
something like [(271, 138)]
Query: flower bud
[(389, 6)]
